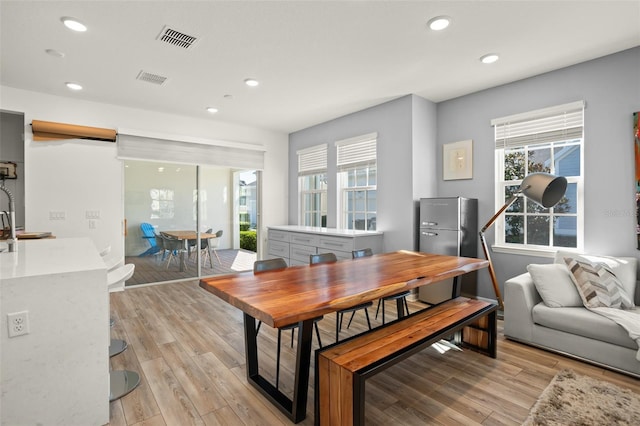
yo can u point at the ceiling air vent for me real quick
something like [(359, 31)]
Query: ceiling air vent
[(177, 38), (151, 78)]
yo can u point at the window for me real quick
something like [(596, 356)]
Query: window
[(357, 182), (162, 206), (312, 185), (551, 141)]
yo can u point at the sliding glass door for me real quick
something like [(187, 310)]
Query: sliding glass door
[(160, 209), (187, 221)]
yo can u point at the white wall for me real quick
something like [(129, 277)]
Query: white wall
[(76, 176)]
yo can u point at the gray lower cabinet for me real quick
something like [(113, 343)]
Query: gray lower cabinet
[(295, 243)]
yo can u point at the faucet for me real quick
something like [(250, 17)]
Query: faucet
[(12, 240)]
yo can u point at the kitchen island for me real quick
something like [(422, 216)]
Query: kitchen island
[(58, 373)]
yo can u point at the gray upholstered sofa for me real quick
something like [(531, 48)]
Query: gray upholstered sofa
[(560, 323)]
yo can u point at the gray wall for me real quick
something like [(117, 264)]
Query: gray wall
[(412, 130), (424, 162), (406, 134), (610, 86)]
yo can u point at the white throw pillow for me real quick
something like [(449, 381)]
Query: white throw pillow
[(597, 285), (554, 284), (623, 267)]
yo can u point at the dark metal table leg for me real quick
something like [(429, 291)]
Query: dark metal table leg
[(303, 362), (251, 345), (295, 409)]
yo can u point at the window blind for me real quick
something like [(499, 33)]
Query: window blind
[(235, 155), (358, 151), (312, 160), (562, 122)]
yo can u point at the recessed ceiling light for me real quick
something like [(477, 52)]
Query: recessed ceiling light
[(489, 58), (251, 82), (55, 53), (73, 24), (73, 86), (212, 110), (439, 23)]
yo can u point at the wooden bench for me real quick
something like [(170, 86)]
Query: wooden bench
[(342, 368)]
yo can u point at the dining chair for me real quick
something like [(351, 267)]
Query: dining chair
[(162, 252), (173, 246), (405, 305), (395, 297), (204, 246), (319, 258), (267, 265), (213, 244), (275, 264)]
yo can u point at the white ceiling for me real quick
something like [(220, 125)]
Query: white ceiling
[(315, 60)]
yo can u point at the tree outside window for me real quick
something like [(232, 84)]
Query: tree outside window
[(526, 222)]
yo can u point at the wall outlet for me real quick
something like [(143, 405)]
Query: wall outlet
[(18, 323), (57, 215)]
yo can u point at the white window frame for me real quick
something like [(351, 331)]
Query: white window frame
[(344, 207), (312, 162), (355, 153), (537, 129)]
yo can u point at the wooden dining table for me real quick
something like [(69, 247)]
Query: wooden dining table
[(299, 294), (185, 236)]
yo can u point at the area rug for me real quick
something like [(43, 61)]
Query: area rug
[(573, 399)]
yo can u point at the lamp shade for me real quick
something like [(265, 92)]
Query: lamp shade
[(544, 188)]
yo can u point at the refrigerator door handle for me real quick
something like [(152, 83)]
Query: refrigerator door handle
[(429, 234)]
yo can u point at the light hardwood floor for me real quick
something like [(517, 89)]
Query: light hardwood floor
[(188, 347)]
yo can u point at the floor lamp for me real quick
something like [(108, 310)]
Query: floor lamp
[(542, 188)]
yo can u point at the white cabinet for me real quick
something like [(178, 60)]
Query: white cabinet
[(295, 243), (299, 254)]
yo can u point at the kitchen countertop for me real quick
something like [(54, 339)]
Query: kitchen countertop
[(324, 231), (49, 256)]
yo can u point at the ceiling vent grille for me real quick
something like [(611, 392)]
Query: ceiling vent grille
[(151, 78), (176, 38)]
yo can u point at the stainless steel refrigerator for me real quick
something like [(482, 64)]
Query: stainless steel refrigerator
[(449, 226)]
